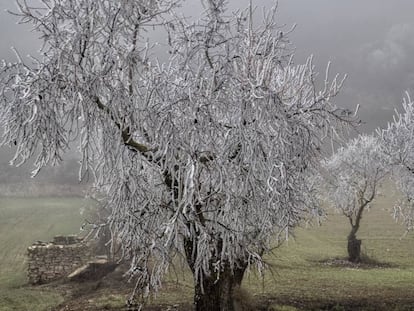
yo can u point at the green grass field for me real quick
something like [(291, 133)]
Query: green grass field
[(22, 222), (303, 275)]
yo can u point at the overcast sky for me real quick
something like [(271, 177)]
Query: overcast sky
[(372, 41)]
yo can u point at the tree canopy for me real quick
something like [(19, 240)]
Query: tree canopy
[(398, 140), (204, 155)]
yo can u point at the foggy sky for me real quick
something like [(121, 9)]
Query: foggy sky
[(372, 41)]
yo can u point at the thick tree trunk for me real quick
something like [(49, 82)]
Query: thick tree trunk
[(214, 293), (354, 248)]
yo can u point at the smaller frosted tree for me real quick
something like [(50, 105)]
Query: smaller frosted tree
[(353, 175), (398, 141)]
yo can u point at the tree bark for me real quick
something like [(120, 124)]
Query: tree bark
[(354, 248), (217, 294), (354, 245)]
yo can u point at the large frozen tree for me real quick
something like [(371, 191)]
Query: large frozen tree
[(203, 155), (398, 139), (351, 179)]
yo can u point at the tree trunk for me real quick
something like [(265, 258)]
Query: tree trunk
[(354, 248), (354, 245), (213, 294)]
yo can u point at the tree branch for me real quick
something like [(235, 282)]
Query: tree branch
[(127, 138)]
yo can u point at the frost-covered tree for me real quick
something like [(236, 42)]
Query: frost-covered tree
[(352, 176), (398, 140), (202, 156)]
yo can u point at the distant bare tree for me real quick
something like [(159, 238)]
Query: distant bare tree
[(204, 156), (351, 181)]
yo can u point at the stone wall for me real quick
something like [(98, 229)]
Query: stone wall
[(53, 260)]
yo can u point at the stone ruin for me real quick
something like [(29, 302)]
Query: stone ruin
[(49, 261)]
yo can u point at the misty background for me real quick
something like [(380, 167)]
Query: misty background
[(371, 41)]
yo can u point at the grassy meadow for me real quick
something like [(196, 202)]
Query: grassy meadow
[(307, 272), (22, 222)]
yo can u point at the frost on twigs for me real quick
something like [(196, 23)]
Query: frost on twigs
[(353, 175), (205, 155), (398, 138)]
